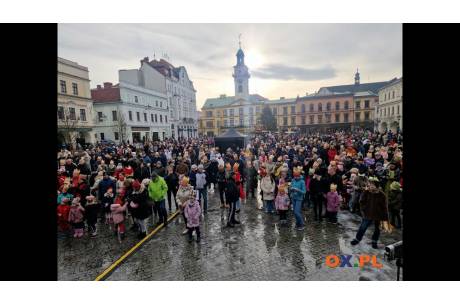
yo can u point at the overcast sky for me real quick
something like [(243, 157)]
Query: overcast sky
[(283, 59)]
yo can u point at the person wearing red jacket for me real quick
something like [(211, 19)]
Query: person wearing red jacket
[(63, 217), (331, 153)]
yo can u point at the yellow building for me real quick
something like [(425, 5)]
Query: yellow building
[(75, 107), (284, 111)]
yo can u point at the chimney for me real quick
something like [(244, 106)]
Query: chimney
[(146, 60), (282, 98), (107, 85), (99, 87)]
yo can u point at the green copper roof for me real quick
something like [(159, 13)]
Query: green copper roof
[(228, 100)]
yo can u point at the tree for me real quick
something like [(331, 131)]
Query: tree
[(120, 126), (267, 119), (68, 126)]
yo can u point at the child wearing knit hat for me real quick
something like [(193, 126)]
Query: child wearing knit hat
[(282, 204), (76, 217)]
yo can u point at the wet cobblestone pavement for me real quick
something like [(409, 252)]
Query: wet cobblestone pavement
[(258, 249)]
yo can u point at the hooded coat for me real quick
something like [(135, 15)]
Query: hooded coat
[(374, 205), (192, 212)]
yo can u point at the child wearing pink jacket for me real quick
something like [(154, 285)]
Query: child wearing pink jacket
[(282, 204), (333, 203)]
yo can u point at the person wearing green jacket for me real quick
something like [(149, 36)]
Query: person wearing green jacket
[(157, 192)]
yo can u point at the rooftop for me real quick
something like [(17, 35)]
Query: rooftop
[(224, 100)]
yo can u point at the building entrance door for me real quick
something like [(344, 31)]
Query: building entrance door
[(136, 137), (155, 136)]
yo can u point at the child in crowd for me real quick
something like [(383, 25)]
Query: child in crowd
[(183, 194), (192, 212), (333, 203), (63, 210), (282, 204), (91, 212), (107, 200), (118, 209), (76, 217)]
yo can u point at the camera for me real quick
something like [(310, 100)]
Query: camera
[(394, 251)]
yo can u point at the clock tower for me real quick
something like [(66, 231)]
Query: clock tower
[(241, 76)]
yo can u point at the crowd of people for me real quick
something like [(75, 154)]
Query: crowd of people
[(359, 171)]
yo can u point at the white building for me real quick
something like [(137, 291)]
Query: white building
[(181, 96), (389, 111), (134, 110), (75, 107)]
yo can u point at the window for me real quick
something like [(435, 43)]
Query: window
[(320, 107), (337, 118), (60, 113), (366, 116), (240, 88), (138, 116), (136, 99), (225, 112), (166, 119), (385, 97), (393, 110), (116, 136), (337, 105), (320, 118), (345, 117), (328, 118), (72, 113), (161, 118), (130, 114), (63, 86), (358, 104), (83, 115), (328, 107), (284, 110), (209, 124), (303, 120), (393, 94), (232, 122), (151, 117), (292, 120), (208, 114), (114, 116), (302, 108), (145, 117), (398, 109), (312, 107), (366, 104), (161, 104), (275, 111), (99, 116), (232, 112), (102, 136), (156, 103), (156, 118), (285, 121), (241, 121), (226, 123), (357, 116), (241, 111), (312, 119), (346, 105), (292, 109), (75, 89)]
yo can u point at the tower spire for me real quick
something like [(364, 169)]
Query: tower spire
[(357, 77), (239, 40)]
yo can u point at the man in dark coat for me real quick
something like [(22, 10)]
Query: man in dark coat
[(374, 209), (232, 195)]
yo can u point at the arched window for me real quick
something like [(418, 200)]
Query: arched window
[(312, 108), (346, 105), (303, 108), (337, 105), (320, 107), (328, 107)]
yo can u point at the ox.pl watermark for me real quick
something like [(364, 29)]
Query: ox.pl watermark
[(334, 261)]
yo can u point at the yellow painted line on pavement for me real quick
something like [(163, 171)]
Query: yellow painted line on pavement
[(112, 267)]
